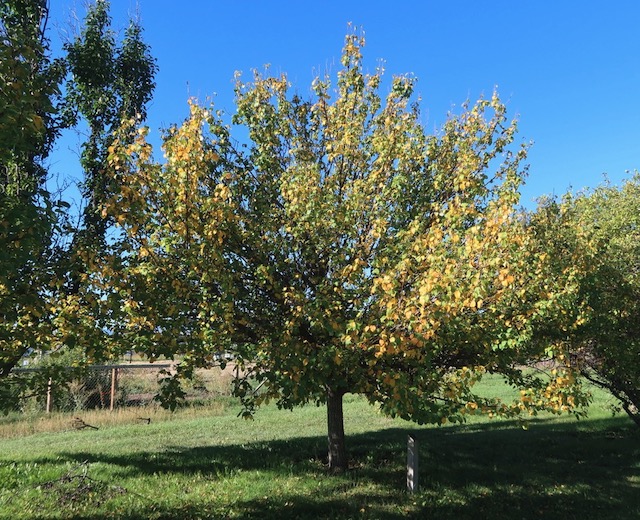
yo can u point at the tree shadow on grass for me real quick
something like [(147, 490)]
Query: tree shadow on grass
[(554, 470)]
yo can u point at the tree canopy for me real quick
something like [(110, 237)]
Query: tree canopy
[(29, 91), (46, 299), (339, 249), (109, 80), (594, 238)]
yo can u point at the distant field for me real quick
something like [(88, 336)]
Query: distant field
[(207, 463)]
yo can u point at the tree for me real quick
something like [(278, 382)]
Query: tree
[(29, 123), (109, 81), (594, 237), (47, 299), (341, 249)]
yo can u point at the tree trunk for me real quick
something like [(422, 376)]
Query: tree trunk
[(632, 412), (338, 462), (7, 364)]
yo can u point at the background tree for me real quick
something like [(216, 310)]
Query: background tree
[(47, 299), (109, 81), (342, 249), (29, 124), (594, 238)]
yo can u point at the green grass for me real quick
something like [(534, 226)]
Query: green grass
[(214, 465)]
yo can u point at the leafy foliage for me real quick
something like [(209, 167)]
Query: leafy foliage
[(47, 299), (110, 80), (29, 90), (594, 238), (342, 249)]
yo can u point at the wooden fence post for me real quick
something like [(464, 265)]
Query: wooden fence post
[(412, 464), (49, 399), (114, 383)]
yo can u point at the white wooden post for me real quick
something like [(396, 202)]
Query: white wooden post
[(49, 395), (114, 382), (412, 464)]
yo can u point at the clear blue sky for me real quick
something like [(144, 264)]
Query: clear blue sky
[(569, 70)]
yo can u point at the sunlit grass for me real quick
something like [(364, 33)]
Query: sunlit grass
[(208, 463)]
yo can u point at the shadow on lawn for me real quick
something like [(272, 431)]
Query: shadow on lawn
[(586, 470)]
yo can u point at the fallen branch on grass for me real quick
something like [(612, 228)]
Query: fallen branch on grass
[(77, 486), (79, 424)]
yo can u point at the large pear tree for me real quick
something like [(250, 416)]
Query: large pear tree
[(336, 247)]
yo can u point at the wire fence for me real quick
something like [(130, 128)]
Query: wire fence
[(109, 387)]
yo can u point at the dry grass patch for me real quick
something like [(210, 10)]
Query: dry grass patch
[(20, 425)]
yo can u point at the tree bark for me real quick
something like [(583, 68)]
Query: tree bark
[(338, 461), (632, 412), (7, 364)]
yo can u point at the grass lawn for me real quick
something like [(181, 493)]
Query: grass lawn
[(211, 464)]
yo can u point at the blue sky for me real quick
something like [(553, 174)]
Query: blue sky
[(568, 69)]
